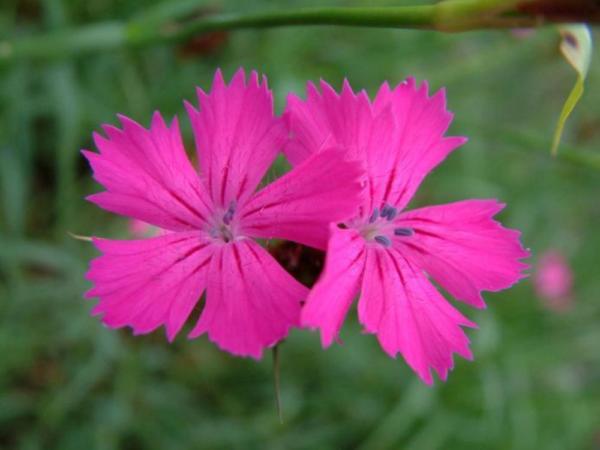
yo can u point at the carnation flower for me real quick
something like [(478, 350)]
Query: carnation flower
[(212, 216), (389, 254)]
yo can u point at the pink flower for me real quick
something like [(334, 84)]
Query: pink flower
[(554, 281), (141, 229), (388, 254), (212, 215)]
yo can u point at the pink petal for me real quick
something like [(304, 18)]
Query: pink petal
[(463, 248), (148, 175), (409, 316), (151, 282), (399, 137), (342, 120), (251, 302), (237, 135), (332, 295), (420, 144), (300, 205), (306, 121)]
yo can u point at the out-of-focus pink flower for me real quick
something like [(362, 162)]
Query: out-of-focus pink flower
[(554, 281), (211, 215), (388, 254), (140, 229), (522, 33)]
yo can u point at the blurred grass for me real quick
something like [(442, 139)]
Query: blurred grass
[(66, 382)]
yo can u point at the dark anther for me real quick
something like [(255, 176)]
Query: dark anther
[(403, 231), (383, 240), (389, 212), (228, 216)]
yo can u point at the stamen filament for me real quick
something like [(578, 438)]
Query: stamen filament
[(374, 216)]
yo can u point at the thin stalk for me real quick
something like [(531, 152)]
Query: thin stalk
[(65, 43), (447, 16), (276, 383)]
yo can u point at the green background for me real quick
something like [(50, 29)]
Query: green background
[(67, 382)]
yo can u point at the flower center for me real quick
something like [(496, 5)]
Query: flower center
[(380, 227), (225, 225)]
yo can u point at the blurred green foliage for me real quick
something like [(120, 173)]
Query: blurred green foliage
[(66, 382)]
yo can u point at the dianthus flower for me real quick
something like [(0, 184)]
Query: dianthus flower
[(209, 217), (388, 254)]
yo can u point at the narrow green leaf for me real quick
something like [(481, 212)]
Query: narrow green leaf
[(576, 47)]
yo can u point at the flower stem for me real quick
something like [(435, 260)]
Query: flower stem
[(447, 16), (276, 383)]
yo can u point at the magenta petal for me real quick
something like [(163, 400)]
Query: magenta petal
[(237, 136), (251, 302), (400, 136), (332, 295), (300, 205), (464, 249), (148, 176), (409, 316), (306, 120), (420, 144), (344, 119), (151, 282)]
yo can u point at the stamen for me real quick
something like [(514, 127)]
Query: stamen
[(228, 216), (403, 231), (226, 234), (389, 212), (383, 240), (374, 216), (384, 210)]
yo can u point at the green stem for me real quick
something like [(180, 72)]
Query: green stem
[(400, 17), (65, 43), (276, 384), (448, 16)]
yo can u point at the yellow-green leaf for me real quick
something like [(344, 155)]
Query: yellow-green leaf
[(576, 47)]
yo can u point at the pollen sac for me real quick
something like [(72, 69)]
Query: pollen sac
[(403, 231), (389, 212), (374, 216), (228, 216), (383, 240)]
